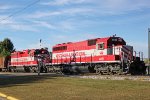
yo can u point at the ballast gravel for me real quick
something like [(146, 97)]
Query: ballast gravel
[(113, 77)]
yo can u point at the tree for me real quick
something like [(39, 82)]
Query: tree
[(146, 61), (1, 48), (6, 47)]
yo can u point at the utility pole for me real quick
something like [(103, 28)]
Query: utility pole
[(39, 64), (40, 43), (148, 52)]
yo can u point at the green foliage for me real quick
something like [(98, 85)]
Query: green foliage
[(6, 47), (146, 61), (1, 47)]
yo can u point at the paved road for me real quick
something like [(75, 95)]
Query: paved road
[(2, 98)]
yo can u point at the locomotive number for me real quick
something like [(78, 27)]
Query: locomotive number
[(101, 58)]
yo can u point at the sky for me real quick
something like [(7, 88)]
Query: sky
[(60, 21)]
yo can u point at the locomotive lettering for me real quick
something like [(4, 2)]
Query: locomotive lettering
[(70, 54)]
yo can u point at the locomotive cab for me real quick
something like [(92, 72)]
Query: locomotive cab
[(117, 46), (114, 45), (116, 55)]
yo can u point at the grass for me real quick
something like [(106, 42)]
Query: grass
[(65, 88)]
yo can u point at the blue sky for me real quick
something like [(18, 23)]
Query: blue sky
[(59, 21)]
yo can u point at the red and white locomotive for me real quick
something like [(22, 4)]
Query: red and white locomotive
[(28, 59), (108, 55), (104, 55)]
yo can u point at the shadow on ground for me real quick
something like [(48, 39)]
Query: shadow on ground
[(24, 80)]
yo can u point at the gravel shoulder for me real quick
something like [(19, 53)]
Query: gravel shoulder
[(117, 77)]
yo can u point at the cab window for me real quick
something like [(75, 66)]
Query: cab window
[(101, 46), (92, 42)]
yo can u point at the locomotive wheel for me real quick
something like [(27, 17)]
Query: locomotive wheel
[(108, 72), (120, 72), (101, 73), (91, 69), (97, 71), (111, 73), (31, 69), (11, 69), (46, 70), (27, 69)]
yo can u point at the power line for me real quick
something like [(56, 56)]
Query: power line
[(13, 14)]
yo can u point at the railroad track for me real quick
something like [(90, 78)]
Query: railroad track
[(85, 76), (111, 77)]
